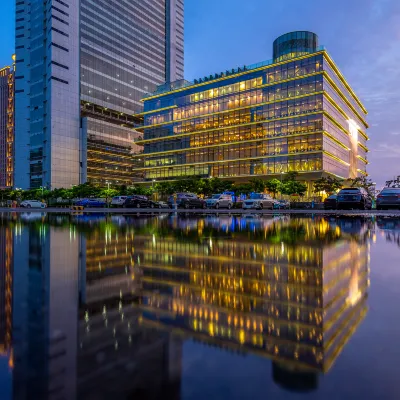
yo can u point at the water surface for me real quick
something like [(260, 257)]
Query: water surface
[(191, 307)]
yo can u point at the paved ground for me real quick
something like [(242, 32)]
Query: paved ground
[(205, 211)]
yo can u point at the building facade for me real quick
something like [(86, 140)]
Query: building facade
[(7, 127), (47, 131), (99, 58), (293, 113)]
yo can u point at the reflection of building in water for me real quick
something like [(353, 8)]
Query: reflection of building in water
[(6, 254), (45, 306), (106, 253), (294, 291), (117, 357)]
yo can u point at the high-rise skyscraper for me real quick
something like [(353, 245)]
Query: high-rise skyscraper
[(47, 137), (6, 126), (83, 67)]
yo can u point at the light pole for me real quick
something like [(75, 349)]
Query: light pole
[(281, 184), (152, 188)]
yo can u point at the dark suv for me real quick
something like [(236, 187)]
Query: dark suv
[(354, 198), (186, 200), (137, 201)]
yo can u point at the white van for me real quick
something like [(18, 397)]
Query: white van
[(118, 201)]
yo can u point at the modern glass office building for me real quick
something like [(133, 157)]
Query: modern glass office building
[(7, 126), (83, 67), (295, 112)]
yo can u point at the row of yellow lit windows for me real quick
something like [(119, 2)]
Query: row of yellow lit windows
[(232, 102), (304, 123), (237, 118), (92, 178), (235, 169), (254, 134), (223, 90), (103, 160), (99, 166), (272, 76), (239, 151)]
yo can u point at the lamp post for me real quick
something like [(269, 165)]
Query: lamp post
[(281, 184), (152, 188)]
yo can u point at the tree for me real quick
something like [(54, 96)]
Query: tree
[(164, 188), (290, 176), (328, 185), (108, 193), (122, 190), (243, 188), (86, 190), (291, 188), (258, 184), (140, 190), (363, 182), (273, 186), (215, 185), (394, 183)]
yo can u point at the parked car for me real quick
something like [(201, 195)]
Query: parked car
[(330, 202), (33, 204), (259, 201), (118, 201), (162, 204), (138, 201), (186, 200), (91, 203), (354, 198), (388, 198), (220, 201), (282, 205)]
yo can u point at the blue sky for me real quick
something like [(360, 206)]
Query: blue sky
[(362, 36)]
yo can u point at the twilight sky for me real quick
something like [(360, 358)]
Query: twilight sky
[(362, 36)]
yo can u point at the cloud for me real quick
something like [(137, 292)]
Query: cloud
[(395, 133), (386, 150)]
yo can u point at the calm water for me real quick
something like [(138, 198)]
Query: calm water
[(221, 307)]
